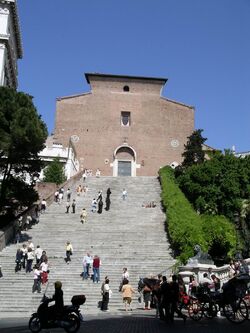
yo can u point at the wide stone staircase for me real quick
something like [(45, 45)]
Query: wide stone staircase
[(128, 235)]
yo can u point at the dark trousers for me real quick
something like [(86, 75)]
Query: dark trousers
[(36, 285), (29, 265), (73, 209), (105, 301), (68, 253), (24, 260)]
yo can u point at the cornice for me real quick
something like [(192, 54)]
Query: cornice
[(14, 13)]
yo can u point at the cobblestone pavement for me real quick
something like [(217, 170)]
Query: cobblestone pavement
[(135, 323)]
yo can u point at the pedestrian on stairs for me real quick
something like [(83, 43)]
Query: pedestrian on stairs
[(24, 250), (108, 202), (124, 194), (127, 292), (83, 216), (68, 193), (67, 207), (96, 269), (106, 293), (87, 261), (73, 206), (37, 279), (60, 197), (30, 258), (19, 256), (69, 252), (43, 206), (44, 267), (38, 254), (93, 205), (100, 205)]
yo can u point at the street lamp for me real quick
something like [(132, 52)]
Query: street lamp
[(238, 255)]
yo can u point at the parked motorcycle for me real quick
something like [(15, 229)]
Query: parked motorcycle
[(69, 321)]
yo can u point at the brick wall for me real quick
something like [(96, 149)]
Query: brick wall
[(96, 119)]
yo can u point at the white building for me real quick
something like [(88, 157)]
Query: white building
[(67, 156), (240, 154), (10, 43)]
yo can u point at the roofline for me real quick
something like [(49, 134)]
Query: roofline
[(87, 75), (175, 102), (72, 96)]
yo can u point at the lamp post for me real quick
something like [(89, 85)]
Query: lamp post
[(238, 255)]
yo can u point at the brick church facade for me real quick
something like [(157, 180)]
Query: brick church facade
[(124, 126)]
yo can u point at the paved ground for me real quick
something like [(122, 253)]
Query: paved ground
[(134, 323)]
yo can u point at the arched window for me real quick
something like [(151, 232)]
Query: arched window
[(126, 88)]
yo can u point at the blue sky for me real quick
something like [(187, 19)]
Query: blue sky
[(201, 46)]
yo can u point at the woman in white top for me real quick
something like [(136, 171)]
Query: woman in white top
[(44, 271), (30, 258), (37, 280)]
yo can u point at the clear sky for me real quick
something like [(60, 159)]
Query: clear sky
[(201, 46)]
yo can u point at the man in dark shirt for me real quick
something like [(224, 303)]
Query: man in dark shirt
[(56, 310), (174, 299)]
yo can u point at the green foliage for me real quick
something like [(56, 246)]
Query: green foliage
[(219, 185), (23, 134), (193, 152), (186, 228), (220, 235), (54, 172)]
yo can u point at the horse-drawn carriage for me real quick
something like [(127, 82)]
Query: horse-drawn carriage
[(230, 302)]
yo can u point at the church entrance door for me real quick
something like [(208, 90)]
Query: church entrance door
[(124, 164), (124, 168)]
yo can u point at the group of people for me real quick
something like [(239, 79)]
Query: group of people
[(58, 196), (97, 203), (89, 173), (81, 189), (91, 267), (29, 258), (125, 288)]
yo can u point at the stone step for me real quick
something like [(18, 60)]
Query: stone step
[(126, 236)]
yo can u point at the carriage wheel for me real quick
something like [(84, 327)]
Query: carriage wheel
[(236, 311), (209, 310), (195, 310)]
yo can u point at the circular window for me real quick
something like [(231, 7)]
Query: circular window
[(174, 143), (126, 88), (106, 161), (74, 138)]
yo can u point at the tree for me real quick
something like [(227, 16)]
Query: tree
[(215, 234), (221, 186), (22, 134), (193, 152), (54, 172)]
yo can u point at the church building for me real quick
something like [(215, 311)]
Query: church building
[(123, 125)]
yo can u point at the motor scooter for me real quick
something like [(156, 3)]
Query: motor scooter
[(69, 320)]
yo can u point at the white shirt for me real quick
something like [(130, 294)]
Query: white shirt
[(30, 255), (44, 267), (38, 252), (125, 275), (36, 274), (31, 246)]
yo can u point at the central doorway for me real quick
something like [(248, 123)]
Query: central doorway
[(124, 164), (124, 168)]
